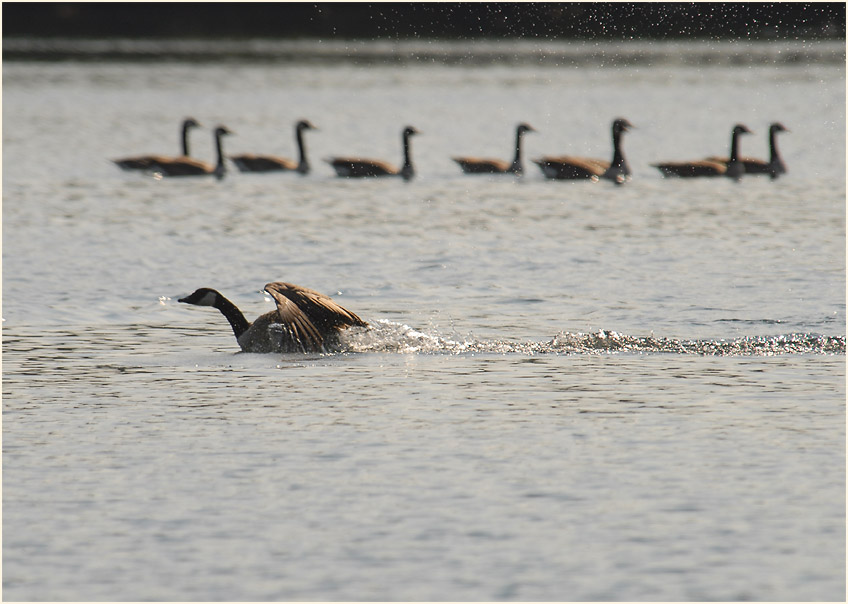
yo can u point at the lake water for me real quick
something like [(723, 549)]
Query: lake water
[(570, 390)]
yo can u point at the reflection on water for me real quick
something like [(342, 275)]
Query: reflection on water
[(386, 336)]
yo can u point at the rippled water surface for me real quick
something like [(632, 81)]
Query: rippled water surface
[(569, 391)]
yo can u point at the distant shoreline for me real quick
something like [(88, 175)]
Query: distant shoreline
[(452, 52), (382, 21)]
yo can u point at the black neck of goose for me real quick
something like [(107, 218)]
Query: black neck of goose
[(774, 155), (186, 128), (617, 153), (406, 171), (219, 146), (233, 315), (516, 163), (734, 146), (303, 164)]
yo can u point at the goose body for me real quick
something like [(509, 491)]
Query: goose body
[(568, 167), (186, 166), (692, 169), (475, 165), (304, 320), (733, 167), (249, 162), (145, 162), (354, 167), (774, 167)]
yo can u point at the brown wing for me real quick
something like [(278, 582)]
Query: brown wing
[(310, 315), (725, 160), (480, 165), (568, 167), (182, 166), (691, 169), (597, 166), (301, 329), (353, 166), (752, 164), (143, 162), (250, 162)]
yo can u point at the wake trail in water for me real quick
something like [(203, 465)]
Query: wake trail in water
[(386, 336)]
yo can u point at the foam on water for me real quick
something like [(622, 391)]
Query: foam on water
[(387, 336)]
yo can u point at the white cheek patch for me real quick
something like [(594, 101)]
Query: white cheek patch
[(207, 300)]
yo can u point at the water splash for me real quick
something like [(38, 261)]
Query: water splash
[(386, 336)]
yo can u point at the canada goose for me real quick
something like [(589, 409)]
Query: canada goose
[(186, 166), (270, 163), (474, 165), (304, 321), (351, 167), (567, 167), (144, 162), (732, 168), (774, 167)]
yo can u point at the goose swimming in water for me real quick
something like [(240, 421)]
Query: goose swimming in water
[(144, 162), (568, 167), (304, 321), (271, 163), (352, 167), (774, 167), (732, 168), (474, 165), (186, 166)]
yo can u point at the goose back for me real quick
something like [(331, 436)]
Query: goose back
[(570, 167), (476, 165), (250, 162), (774, 167), (354, 167), (712, 166), (701, 168), (186, 166), (146, 162)]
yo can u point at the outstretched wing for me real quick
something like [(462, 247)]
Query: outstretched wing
[(310, 315)]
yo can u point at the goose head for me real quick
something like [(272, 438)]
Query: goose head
[(741, 129), (778, 127), (305, 125), (621, 125), (201, 297), (190, 122), (222, 131), (409, 131), (525, 127)]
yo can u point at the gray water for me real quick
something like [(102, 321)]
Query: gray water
[(569, 391)]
